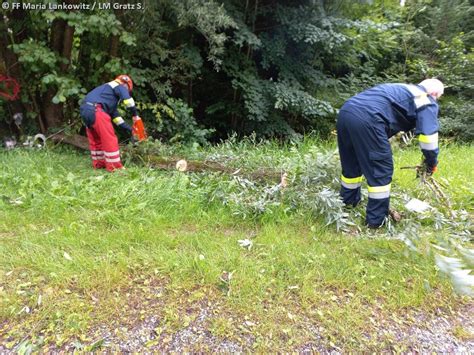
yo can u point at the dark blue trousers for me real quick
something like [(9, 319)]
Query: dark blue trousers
[(364, 149), (87, 114)]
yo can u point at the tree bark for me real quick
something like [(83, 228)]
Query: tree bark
[(114, 40), (75, 140), (84, 54), (53, 113), (114, 46), (61, 42), (264, 174), (67, 47), (12, 68)]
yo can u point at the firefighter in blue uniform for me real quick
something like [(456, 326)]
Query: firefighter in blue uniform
[(364, 125)]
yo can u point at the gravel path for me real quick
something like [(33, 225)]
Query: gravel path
[(414, 332), (435, 334)]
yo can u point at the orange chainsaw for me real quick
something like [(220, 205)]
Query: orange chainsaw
[(138, 129)]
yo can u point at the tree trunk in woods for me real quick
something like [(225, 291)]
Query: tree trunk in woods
[(114, 40), (12, 66), (67, 47), (84, 54), (61, 42), (53, 113), (114, 46)]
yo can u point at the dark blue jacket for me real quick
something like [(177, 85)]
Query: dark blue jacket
[(109, 96), (402, 107)]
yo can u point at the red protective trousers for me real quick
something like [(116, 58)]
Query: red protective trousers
[(103, 142)]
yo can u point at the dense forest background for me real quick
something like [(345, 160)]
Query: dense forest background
[(206, 69)]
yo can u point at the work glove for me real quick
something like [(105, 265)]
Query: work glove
[(126, 127), (428, 169)]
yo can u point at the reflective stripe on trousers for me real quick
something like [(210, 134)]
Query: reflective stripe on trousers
[(351, 183), (379, 192)]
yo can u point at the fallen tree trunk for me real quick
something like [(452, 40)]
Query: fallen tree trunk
[(75, 140), (162, 163), (207, 166)]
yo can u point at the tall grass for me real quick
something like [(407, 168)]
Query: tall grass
[(70, 236)]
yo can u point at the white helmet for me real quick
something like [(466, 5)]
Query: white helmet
[(433, 87)]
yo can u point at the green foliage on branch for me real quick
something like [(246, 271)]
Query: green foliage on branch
[(174, 121), (279, 68), (35, 56)]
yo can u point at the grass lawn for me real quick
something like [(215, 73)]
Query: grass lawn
[(87, 256)]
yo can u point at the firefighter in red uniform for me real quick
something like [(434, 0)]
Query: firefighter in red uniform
[(98, 110)]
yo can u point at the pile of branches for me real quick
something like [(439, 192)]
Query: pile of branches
[(454, 227), (254, 184)]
